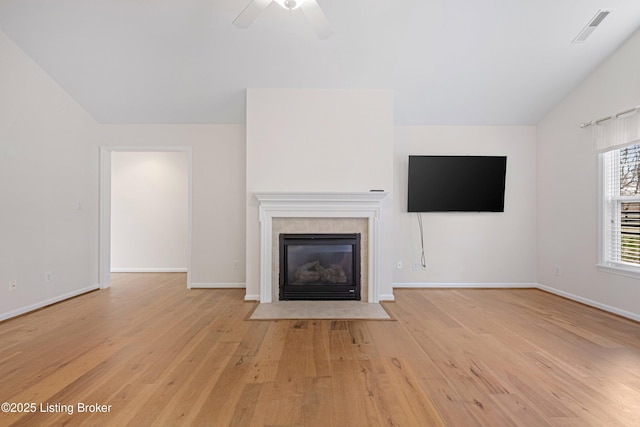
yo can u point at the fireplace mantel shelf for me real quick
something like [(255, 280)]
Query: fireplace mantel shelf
[(367, 196), (318, 205)]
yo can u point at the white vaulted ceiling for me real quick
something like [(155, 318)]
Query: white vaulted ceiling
[(502, 62)]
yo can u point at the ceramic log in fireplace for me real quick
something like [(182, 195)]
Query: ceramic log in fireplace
[(320, 267)]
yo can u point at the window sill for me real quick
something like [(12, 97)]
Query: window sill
[(621, 270)]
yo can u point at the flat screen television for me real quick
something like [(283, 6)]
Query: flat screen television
[(456, 183)]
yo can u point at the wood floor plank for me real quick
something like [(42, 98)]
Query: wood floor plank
[(161, 354)]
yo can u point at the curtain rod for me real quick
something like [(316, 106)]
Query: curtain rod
[(604, 119)]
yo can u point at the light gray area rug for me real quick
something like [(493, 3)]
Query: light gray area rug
[(355, 310)]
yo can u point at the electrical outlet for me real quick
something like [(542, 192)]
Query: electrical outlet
[(13, 285), (236, 265), (48, 276), (418, 267), (399, 265)]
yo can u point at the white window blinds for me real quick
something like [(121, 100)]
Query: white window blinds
[(622, 206)]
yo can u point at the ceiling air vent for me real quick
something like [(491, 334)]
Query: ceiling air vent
[(588, 29)]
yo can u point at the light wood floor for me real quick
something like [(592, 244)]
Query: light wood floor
[(163, 355)]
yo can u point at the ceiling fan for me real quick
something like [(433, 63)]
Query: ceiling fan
[(310, 8)]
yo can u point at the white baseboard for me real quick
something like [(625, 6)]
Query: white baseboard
[(252, 297), (465, 285), (610, 309), (386, 297), (32, 307), (218, 286), (149, 270)]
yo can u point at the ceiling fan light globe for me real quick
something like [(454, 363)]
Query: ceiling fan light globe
[(290, 4)]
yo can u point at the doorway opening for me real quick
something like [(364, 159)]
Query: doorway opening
[(145, 211)]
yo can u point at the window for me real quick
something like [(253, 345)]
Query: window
[(620, 212)]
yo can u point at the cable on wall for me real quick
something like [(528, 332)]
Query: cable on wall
[(423, 259)]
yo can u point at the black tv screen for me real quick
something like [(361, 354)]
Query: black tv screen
[(457, 183)]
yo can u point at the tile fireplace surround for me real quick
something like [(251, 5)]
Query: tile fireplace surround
[(328, 206)]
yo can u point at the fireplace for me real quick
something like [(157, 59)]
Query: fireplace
[(318, 212), (319, 267)]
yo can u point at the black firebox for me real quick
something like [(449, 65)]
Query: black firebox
[(320, 267)]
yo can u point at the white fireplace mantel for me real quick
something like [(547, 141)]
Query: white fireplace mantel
[(319, 205)]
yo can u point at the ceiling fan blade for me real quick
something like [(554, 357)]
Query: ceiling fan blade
[(317, 18), (250, 13)]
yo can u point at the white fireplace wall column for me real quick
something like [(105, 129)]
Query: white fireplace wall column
[(319, 140)]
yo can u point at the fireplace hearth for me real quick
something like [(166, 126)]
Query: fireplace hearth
[(319, 267)]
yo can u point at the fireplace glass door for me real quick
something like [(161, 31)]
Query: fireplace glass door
[(319, 266)]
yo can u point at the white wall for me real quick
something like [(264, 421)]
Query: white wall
[(149, 207), (567, 186), (491, 249), (318, 140), (48, 183), (218, 189)]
